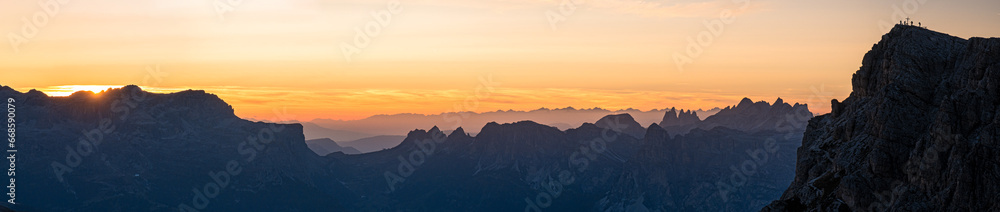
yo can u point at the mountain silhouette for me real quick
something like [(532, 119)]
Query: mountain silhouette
[(180, 151), (507, 166), (400, 124), (129, 150)]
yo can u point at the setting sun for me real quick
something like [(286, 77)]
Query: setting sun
[(66, 90)]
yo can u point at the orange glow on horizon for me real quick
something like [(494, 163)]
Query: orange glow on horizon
[(66, 90), (289, 56), (283, 104)]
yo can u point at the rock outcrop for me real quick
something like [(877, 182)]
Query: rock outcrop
[(919, 132), (622, 123)]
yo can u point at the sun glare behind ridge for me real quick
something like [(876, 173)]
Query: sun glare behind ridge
[(66, 90)]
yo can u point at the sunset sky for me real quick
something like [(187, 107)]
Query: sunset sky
[(430, 57)]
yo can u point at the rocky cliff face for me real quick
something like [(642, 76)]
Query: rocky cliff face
[(918, 133)]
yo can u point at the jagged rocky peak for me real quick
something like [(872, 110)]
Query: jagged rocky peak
[(459, 137), (745, 102), (747, 105), (622, 123), (747, 116), (750, 116), (919, 132), (457, 132), (434, 131), (675, 118), (421, 135)]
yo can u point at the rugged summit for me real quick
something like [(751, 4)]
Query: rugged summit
[(918, 133), (673, 117), (747, 116), (752, 116)]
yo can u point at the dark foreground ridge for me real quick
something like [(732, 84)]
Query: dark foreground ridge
[(918, 133), (129, 150)]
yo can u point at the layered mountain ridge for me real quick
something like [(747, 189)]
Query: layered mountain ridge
[(187, 151)]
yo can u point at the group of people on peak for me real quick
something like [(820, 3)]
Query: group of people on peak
[(908, 22)]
